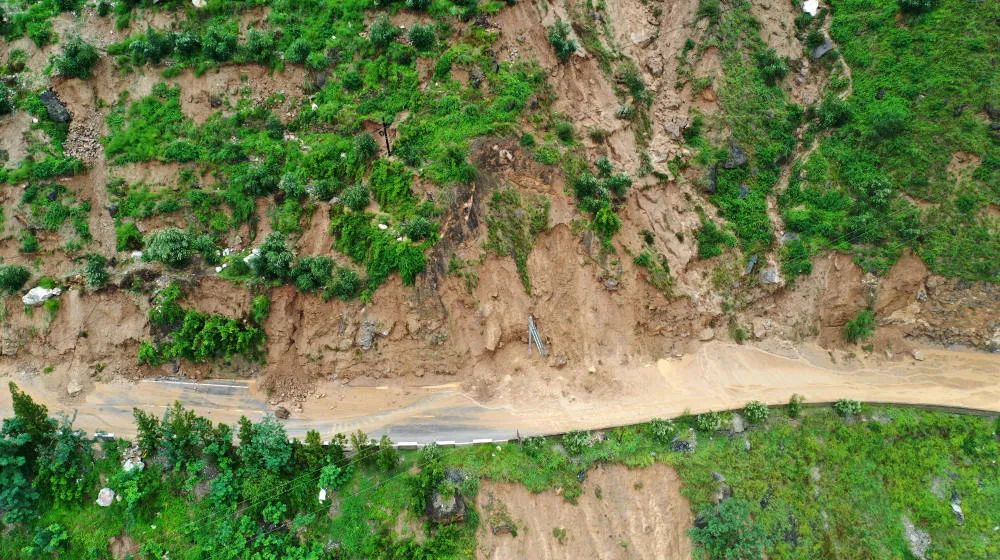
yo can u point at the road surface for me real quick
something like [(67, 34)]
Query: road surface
[(718, 376)]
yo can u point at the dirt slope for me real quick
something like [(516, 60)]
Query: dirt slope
[(622, 514)]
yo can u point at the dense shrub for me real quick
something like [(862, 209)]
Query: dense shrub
[(6, 99), (917, 6), (729, 531), (795, 405), (662, 430), (890, 117), (13, 277), (795, 259), (128, 237), (95, 270), (312, 273), (708, 422), (756, 412), (772, 67), (847, 407), (833, 112), (861, 327), (173, 246), (220, 41), (562, 43), (576, 442), (382, 32), (344, 284), (711, 239), (709, 9), (274, 259), (355, 197), (422, 37)]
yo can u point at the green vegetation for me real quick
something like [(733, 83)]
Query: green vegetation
[(12, 277), (563, 45), (200, 337), (77, 58), (512, 225), (711, 238), (601, 195), (819, 486), (914, 105), (861, 327)]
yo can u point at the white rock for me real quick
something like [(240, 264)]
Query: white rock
[(322, 494), (918, 355), (810, 7), (218, 269), (383, 227), (199, 3), (136, 254), (105, 497), (73, 388), (39, 295), (132, 464)]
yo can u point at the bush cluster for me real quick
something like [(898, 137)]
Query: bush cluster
[(561, 41)]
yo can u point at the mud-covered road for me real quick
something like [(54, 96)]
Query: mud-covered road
[(718, 376)]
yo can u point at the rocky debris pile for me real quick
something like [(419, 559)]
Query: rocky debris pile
[(132, 458), (917, 540), (723, 492), (84, 140), (55, 108), (686, 443), (737, 157), (39, 295)]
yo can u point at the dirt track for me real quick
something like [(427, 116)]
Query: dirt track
[(718, 376)]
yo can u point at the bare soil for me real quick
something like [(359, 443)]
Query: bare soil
[(622, 514)]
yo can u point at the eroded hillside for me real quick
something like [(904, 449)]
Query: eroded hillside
[(327, 190)]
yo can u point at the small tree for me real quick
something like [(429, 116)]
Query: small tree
[(77, 59), (387, 457), (562, 43), (148, 432), (756, 412), (795, 406)]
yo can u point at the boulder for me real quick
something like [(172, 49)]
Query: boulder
[(39, 295), (73, 388), (366, 334), (737, 157), (655, 65), (281, 413), (450, 507), (105, 497), (706, 334), (737, 424), (770, 275), (56, 110), (713, 179), (723, 492), (821, 50)]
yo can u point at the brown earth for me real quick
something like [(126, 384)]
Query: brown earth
[(622, 514), (594, 309)]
